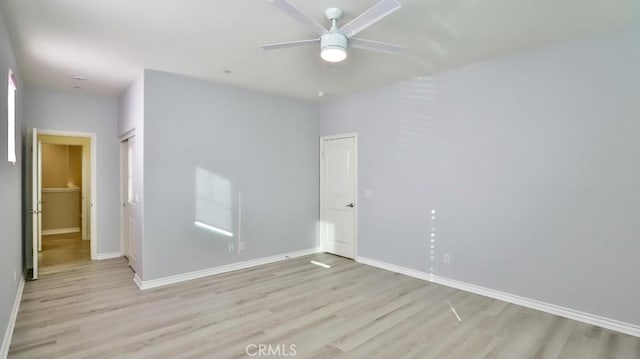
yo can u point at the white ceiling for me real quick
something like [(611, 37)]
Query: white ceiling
[(109, 41)]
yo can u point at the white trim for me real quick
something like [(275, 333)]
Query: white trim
[(62, 189), (127, 135), (394, 268), (607, 323), (48, 232), (85, 192), (8, 334), (355, 198), (153, 283), (35, 194), (353, 135), (93, 205), (108, 255), (138, 281), (339, 136), (122, 198)]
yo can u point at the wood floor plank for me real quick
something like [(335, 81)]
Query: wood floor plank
[(94, 310)]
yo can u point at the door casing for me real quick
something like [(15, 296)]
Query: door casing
[(92, 203)]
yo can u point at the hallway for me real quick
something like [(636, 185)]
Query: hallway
[(63, 249)]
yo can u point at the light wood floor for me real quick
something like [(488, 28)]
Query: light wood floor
[(94, 310), (63, 249)]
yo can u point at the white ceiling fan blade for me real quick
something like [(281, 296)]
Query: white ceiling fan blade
[(295, 13), (370, 17), (376, 46), (284, 45)]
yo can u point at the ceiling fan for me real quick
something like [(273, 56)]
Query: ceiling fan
[(335, 41)]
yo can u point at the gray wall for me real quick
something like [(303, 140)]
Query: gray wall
[(532, 163), (131, 107), (10, 189), (205, 143), (131, 120), (57, 110)]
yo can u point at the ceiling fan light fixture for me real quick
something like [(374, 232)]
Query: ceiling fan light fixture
[(333, 54), (333, 47)]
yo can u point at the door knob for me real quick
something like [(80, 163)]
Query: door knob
[(350, 205)]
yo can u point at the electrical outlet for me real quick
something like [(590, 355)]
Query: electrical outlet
[(241, 246), (447, 258), (230, 247)]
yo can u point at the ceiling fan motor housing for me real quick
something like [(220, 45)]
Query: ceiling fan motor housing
[(333, 13), (333, 40)]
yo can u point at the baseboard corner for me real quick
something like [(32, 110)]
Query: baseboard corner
[(138, 281)]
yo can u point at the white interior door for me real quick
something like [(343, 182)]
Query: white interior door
[(130, 203), (36, 202), (338, 195), (39, 189)]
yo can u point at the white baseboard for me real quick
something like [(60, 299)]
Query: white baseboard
[(607, 323), (153, 283), (108, 255), (138, 281), (47, 232), (8, 334)]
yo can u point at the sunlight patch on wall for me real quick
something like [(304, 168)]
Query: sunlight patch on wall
[(213, 229), (213, 203)]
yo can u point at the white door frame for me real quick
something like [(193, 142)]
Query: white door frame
[(93, 199), (124, 221), (86, 160), (123, 244), (323, 233), (35, 192)]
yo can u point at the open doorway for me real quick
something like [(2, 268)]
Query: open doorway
[(64, 238), (63, 192)]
